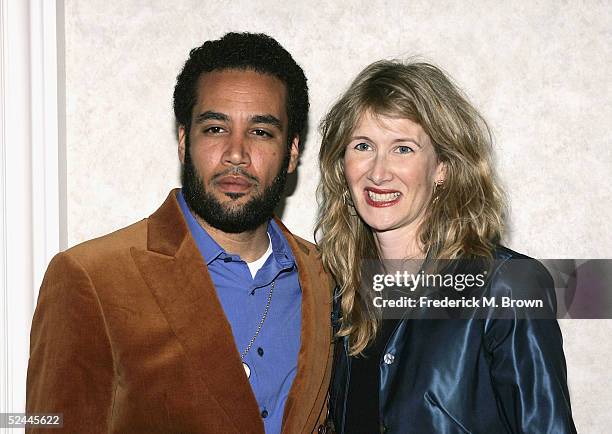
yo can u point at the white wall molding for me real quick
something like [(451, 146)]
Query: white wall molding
[(44, 134), (30, 188)]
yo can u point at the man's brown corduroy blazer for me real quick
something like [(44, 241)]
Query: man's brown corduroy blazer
[(129, 337)]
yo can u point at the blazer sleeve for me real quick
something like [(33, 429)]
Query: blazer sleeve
[(71, 366), (527, 363)]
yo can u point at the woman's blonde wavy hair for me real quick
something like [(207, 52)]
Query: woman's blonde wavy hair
[(466, 218)]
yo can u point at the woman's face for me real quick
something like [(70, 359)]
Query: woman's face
[(391, 167)]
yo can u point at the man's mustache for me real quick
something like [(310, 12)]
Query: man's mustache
[(236, 171)]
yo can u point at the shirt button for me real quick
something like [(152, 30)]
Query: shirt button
[(264, 414), (260, 351), (389, 358)]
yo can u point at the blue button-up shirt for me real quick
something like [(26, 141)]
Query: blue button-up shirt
[(273, 356)]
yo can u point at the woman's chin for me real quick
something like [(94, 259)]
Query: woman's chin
[(380, 227)]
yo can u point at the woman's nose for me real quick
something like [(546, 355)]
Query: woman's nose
[(379, 172)]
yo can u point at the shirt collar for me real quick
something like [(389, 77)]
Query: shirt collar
[(280, 247), (210, 250), (208, 247)]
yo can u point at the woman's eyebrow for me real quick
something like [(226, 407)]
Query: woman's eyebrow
[(399, 140), (407, 139)]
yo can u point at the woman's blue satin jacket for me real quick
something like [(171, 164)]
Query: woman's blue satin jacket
[(479, 376)]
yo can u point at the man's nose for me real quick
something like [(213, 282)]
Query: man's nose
[(379, 172), (237, 152)]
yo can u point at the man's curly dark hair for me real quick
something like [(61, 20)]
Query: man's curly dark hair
[(253, 51)]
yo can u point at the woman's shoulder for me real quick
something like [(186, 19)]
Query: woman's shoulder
[(520, 276), (502, 252), (505, 258)]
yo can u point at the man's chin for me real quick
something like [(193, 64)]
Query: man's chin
[(234, 207), (234, 196)]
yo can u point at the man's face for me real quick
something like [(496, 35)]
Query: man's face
[(235, 157)]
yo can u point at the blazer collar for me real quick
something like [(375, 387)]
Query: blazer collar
[(314, 361), (167, 228)]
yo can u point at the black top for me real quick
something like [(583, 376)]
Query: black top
[(362, 416)]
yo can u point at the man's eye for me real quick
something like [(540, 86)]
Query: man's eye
[(362, 147), (262, 133), (404, 150), (213, 130)]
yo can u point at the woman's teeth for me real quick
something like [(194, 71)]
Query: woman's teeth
[(387, 197)]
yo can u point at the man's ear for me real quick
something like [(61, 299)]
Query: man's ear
[(294, 154), (181, 143)]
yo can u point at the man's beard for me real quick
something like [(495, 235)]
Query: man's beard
[(231, 218)]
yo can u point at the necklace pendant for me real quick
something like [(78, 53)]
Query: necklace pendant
[(247, 369)]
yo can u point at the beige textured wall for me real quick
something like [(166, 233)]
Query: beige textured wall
[(539, 72)]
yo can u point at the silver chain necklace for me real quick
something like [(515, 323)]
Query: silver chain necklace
[(247, 368)]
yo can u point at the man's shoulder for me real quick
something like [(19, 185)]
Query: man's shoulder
[(309, 253), (306, 246), (118, 244), (114, 244), (97, 260), (299, 245)]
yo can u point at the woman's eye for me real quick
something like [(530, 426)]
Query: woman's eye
[(403, 149), (362, 146)]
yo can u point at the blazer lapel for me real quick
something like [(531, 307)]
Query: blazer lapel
[(174, 270), (315, 356)]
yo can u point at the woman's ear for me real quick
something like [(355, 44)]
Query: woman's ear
[(440, 176)]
